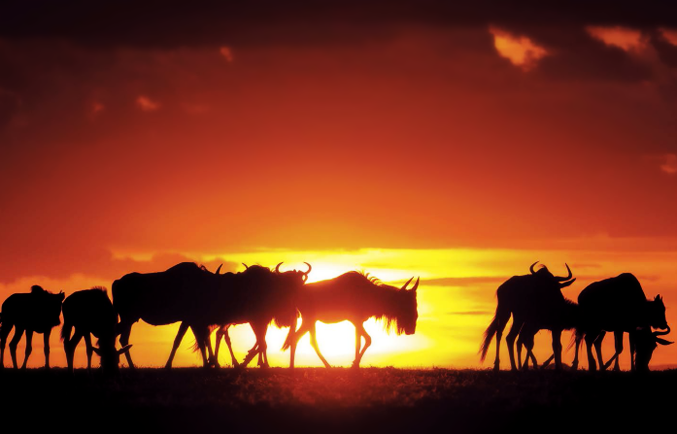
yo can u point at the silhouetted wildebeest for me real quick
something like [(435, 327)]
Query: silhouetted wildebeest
[(282, 310), (198, 299), (535, 298), (355, 297), (90, 312), (619, 305), (646, 342), (37, 311)]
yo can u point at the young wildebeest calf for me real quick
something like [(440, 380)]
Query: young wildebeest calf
[(36, 312), (90, 311)]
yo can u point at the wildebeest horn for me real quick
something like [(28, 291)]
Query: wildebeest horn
[(532, 267), (415, 284), (245, 266), (277, 268), (309, 268), (562, 279), (218, 270), (662, 333), (405, 285)]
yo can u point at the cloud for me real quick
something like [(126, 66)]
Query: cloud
[(630, 40), (146, 104), (227, 53), (520, 50), (670, 35), (669, 165)]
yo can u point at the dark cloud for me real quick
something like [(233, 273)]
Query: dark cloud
[(174, 23)]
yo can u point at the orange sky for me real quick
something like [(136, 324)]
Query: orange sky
[(451, 144)]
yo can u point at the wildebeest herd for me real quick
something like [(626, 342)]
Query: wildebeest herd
[(204, 301)]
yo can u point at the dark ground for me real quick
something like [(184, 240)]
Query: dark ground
[(338, 401)]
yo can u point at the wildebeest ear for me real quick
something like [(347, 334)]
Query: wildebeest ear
[(657, 298), (62, 295), (663, 341)]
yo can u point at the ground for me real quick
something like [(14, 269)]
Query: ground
[(337, 400)]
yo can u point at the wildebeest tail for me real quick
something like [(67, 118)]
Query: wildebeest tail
[(66, 330), (488, 336)]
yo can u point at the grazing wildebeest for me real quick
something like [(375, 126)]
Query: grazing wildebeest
[(282, 310), (535, 298), (355, 297), (619, 305), (198, 299), (35, 312), (646, 342), (90, 312)]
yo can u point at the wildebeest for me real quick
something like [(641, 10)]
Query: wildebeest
[(646, 342), (197, 298), (618, 304), (536, 299), (37, 311), (274, 305), (355, 297), (90, 312)]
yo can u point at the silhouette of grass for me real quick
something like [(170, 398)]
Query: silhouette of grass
[(339, 400)]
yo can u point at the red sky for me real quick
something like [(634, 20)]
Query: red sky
[(133, 137)]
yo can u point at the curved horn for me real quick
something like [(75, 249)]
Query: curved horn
[(277, 268), (246, 267), (309, 268), (405, 285), (218, 270), (415, 284), (562, 279), (532, 267), (662, 333)]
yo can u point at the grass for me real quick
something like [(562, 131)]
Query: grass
[(338, 400)]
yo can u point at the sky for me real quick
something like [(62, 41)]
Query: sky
[(455, 143)]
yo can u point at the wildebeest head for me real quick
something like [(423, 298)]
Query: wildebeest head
[(407, 314), (110, 356), (656, 310), (545, 274), (288, 283), (646, 342)]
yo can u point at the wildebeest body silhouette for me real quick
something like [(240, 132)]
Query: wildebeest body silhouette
[(618, 304), (274, 302), (90, 312), (198, 299), (355, 297), (34, 312), (535, 299)]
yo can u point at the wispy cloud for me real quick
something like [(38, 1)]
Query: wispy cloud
[(227, 53), (669, 164), (520, 50), (146, 104), (621, 37)]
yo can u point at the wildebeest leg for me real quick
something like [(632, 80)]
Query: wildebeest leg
[(46, 346), (125, 331), (69, 345), (631, 338), (88, 348), (313, 342), (574, 364), (360, 331), (260, 346), (295, 336), (4, 331), (222, 332), (510, 341), (557, 347), (590, 339), (18, 332), (618, 343), (177, 341), (29, 347), (598, 339)]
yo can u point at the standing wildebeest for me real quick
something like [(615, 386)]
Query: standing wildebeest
[(535, 298), (282, 311), (36, 312), (90, 311), (355, 297), (619, 305), (199, 299)]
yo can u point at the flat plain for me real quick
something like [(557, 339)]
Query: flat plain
[(336, 400)]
